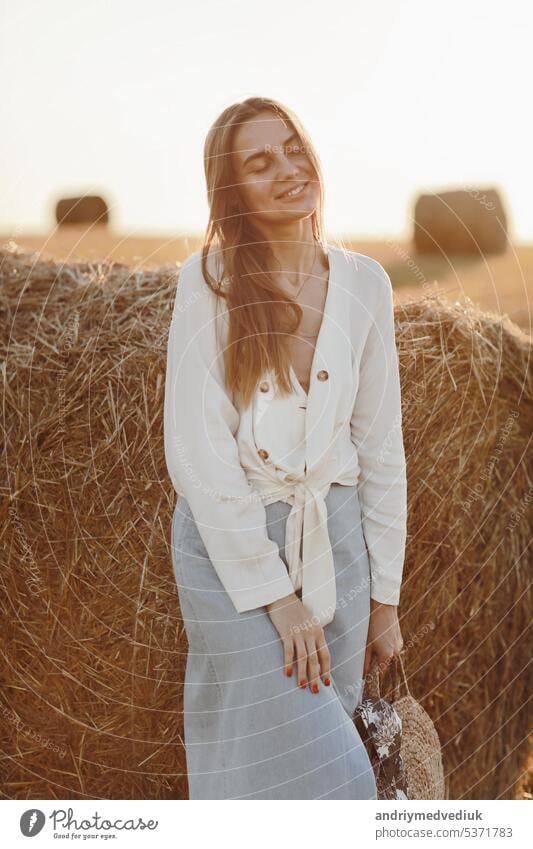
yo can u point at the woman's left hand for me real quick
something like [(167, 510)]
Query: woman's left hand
[(384, 636)]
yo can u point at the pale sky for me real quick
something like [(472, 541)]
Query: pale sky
[(116, 97)]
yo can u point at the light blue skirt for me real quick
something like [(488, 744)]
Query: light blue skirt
[(250, 731)]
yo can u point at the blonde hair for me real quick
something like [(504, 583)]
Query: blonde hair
[(260, 315)]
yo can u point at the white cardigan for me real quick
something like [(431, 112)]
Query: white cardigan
[(229, 462)]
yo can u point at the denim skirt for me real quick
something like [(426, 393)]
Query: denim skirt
[(250, 731)]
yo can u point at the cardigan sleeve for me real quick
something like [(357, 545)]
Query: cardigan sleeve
[(376, 431), (201, 452)]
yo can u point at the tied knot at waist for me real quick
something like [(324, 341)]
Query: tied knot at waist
[(307, 525), (308, 515)]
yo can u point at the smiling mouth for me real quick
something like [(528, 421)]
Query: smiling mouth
[(292, 193)]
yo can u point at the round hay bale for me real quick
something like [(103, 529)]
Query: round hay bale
[(89, 209), (460, 222), (93, 642)]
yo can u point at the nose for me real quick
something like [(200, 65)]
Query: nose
[(286, 171)]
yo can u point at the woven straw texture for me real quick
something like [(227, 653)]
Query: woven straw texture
[(420, 750)]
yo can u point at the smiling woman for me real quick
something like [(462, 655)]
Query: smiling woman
[(289, 530)]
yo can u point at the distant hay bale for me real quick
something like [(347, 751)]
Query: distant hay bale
[(89, 209), (93, 641), (462, 222)]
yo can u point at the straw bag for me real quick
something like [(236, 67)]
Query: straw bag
[(401, 742), (420, 748)]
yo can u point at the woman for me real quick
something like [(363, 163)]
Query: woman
[(283, 442)]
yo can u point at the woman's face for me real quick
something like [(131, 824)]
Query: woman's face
[(268, 162)]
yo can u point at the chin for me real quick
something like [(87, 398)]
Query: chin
[(302, 212)]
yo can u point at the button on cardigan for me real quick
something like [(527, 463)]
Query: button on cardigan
[(229, 461)]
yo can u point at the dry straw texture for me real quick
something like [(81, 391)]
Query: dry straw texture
[(93, 644), (420, 751)]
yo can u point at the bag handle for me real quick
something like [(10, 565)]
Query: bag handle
[(397, 681), (372, 680)]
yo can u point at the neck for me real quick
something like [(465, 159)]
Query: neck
[(293, 244)]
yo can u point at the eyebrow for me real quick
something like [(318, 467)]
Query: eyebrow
[(264, 153)]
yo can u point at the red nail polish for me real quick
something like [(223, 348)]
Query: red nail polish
[(327, 682), (303, 684), (289, 672), (315, 688)]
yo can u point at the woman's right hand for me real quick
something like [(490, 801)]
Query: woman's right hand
[(303, 641)]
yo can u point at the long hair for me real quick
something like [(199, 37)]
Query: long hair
[(260, 314)]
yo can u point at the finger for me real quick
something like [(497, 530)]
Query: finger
[(301, 661), (324, 658), (288, 655), (313, 666)]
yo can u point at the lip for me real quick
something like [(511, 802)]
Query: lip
[(294, 197)]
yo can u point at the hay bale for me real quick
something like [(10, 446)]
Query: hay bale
[(460, 222), (93, 640), (89, 209)]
